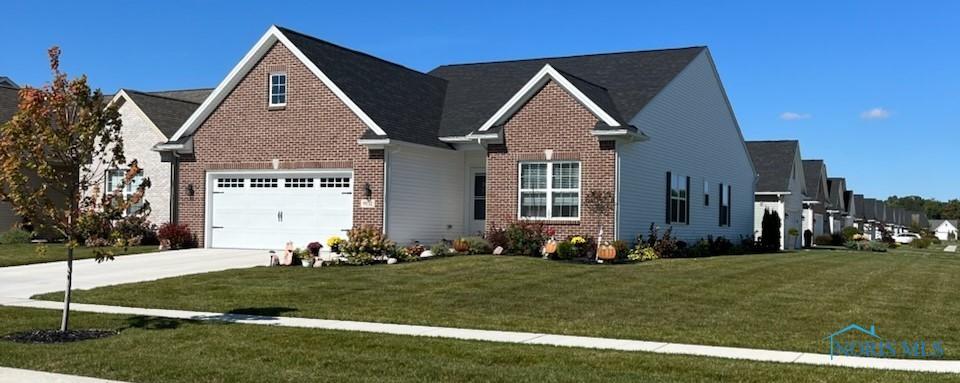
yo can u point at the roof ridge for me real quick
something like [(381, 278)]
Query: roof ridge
[(566, 73), (159, 96), (574, 56), (288, 30), (177, 90)]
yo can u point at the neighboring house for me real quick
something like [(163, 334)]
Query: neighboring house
[(850, 211), (305, 139), (9, 100), (838, 204), (890, 218), (816, 200), (781, 186), (149, 118), (945, 229), (860, 216), (871, 218)]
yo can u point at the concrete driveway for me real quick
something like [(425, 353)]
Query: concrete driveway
[(28, 280)]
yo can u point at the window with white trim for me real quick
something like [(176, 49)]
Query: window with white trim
[(278, 89), (230, 182), (679, 198), (725, 205), (115, 179), (263, 182), (549, 190), (298, 182), (334, 182)]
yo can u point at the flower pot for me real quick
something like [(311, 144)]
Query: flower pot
[(607, 252)]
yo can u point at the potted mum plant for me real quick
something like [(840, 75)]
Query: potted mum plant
[(334, 244), (313, 248)]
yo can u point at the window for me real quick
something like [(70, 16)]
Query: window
[(115, 180), (334, 182), (706, 193), (678, 206), (725, 205), (278, 89), (480, 196), (550, 190), (263, 182), (230, 182), (298, 183)]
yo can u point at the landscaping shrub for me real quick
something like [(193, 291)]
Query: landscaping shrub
[(585, 246), (665, 246), (565, 250), (415, 249), (477, 245), (441, 249), (178, 235), (15, 235), (525, 238), (770, 230), (367, 244), (139, 230), (848, 233), (642, 252), (920, 243), (874, 246), (823, 240), (623, 249), (497, 236)]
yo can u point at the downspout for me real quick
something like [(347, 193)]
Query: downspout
[(616, 193), (175, 190), (386, 174)]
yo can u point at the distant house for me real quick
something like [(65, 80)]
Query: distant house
[(945, 229), (781, 186), (149, 118), (850, 209), (859, 217), (871, 217), (816, 200), (8, 83), (838, 204), (8, 107)]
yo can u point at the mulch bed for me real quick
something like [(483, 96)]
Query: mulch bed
[(57, 336)]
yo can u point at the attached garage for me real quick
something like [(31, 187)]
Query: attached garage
[(267, 209)]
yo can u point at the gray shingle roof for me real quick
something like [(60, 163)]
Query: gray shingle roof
[(9, 100), (848, 201), (837, 187), (813, 175), (870, 209), (934, 223), (196, 96), (859, 206), (774, 162), (631, 79), (405, 103), (166, 112), (7, 82)]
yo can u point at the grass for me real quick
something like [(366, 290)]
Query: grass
[(26, 253), (161, 350), (777, 301)]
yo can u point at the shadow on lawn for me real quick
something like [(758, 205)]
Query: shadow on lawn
[(248, 314), (152, 323)]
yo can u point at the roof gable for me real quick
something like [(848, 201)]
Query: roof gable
[(475, 92), (837, 187), (815, 177), (166, 113), (775, 162)]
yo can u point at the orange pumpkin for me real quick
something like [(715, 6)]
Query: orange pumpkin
[(550, 247), (607, 252), (461, 246)]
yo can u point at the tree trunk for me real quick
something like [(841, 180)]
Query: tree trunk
[(64, 322)]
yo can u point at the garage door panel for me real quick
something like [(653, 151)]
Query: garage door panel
[(265, 210)]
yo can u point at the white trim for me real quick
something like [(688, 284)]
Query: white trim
[(773, 193), (246, 64), (549, 190), (208, 187), (373, 141), (539, 80), (270, 89)]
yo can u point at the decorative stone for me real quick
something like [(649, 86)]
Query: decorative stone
[(498, 250), (426, 254), (391, 261)]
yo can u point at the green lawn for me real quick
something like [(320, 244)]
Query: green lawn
[(162, 350), (777, 301), (24, 254)]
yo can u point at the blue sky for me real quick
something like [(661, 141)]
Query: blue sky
[(871, 87)]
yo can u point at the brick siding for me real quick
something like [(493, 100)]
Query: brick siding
[(551, 120), (314, 130)]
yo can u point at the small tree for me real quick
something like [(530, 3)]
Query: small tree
[(770, 230), (54, 155)]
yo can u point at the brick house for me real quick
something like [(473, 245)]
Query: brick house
[(304, 139)]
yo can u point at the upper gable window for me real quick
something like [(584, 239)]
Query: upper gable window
[(278, 89)]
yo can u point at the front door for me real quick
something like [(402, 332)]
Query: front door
[(478, 201)]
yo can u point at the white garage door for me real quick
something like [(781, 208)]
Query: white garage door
[(266, 210)]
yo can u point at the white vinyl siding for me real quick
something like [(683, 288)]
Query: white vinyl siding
[(692, 133), (425, 194)]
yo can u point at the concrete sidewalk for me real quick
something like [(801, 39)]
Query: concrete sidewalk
[(950, 249), (16, 375), (940, 366), (28, 280)]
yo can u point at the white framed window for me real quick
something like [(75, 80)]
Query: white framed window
[(278, 89), (298, 183), (679, 207), (263, 182), (224, 183), (115, 179), (334, 182), (549, 190)]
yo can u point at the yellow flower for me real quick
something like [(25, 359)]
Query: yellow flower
[(333, 241), (578, 240)]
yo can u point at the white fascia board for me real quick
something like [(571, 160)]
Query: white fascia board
[(374, 141), (773, 193), (469, 138), (246, 64), (531, 87)]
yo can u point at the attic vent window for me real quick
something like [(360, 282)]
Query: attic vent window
[(278, 89)]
